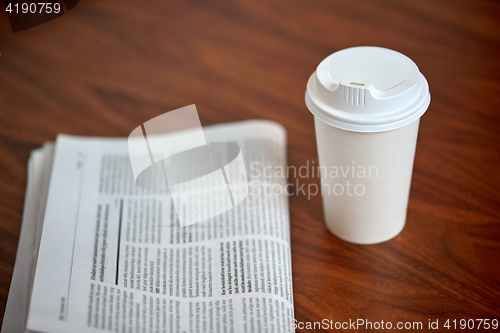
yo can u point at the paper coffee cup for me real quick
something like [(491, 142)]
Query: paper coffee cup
[(367, 103)]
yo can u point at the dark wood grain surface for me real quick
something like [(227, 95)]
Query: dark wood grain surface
[(107, 66)]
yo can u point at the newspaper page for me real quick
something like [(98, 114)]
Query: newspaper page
[(114, 258)]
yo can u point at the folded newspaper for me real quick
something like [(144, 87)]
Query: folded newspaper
[(98, 253)]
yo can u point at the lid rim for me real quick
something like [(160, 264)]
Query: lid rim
[(367, 127)]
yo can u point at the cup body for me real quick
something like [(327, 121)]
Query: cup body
[(367, 102), (365, 180)]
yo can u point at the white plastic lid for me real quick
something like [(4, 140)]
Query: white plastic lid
[(367, 89)]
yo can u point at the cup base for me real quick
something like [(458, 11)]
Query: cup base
[(367, 240)]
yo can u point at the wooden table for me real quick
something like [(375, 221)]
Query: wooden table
[(106, 66)]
